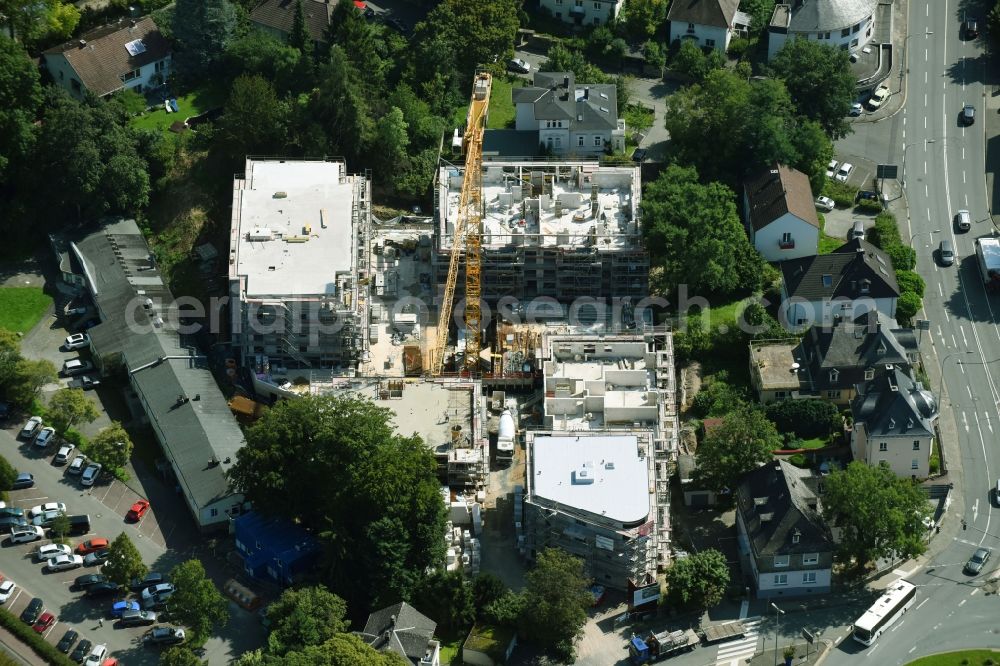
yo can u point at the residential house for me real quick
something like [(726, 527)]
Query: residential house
[(404, 630), (130, 54), (570, 118), (894, 424), (780, 532), (710, 23), (584, 12), (274, 548), (275, 17), (855, 278), (845, 24), (829, 362), (779, 214)]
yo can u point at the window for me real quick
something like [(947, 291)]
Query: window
[(710, 43), (128, 76), (845, 32), (61, 75), (74, 84), (597, 21), (780, 395), (690, 27), (882, 446), (826, 35), (160, 66), (915, 464), (856, 28), (832, 394), (810, 558), (214, 513), (786, 240), (781, 560), (809, 577), (869, 33), (916, 445), (795, 537), (597, 5), (854, 42), (579, 141), (869, 375), (558, 2), (597, 142), (781, 579), (834, 375)]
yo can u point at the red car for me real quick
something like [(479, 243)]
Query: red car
[(44, 621), (88, 547), (137, 511)]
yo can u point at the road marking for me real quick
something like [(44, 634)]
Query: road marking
[(898, 625), (975, 510), (940, 290), (962, 602), (912, 649), (989, 424), (954, 341), (923, 602), (965, 422), (963, 183), (973, 593), (969, 390), (965, 340), (735, 652)]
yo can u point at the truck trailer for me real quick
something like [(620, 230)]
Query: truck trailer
[(988, 256), (660, 646)]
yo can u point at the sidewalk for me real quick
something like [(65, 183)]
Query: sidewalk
[(896, 81), (17, 650), (816, 653)]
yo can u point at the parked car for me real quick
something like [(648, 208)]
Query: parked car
[(963, 220), (968, 114), (45, 437), (96, 656), (26, 534), (39, 509), (518, 65), (96, 557), (78, 464), (90, 474), (137, 511), (76, 366), (81, 651), (878, 97), (77, 341), (831, 168), (90, 545), (31, 427), (85, 382), (6, 589), (977, 561), (163, 636), (134, 618), (46, 519), (154, 590), (86, 580), (824, 203), (9, 522), (971, 28), (23, 480), (856, 109), (67, 640), (62, 456), (639, 154), (13, 511), (64, 563), (120, 607), (857, 230), (44, 622), (32, 611), (105, 589), (50, 550), (946, 253), (844, 172), (151, 579)]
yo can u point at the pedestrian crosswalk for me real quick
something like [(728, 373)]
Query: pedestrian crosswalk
[(734, 653)]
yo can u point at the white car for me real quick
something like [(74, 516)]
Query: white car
[(824, 203), (62, 457), (50, 550), (76, 467), (831, 168), (856, 109), (45, 437), (6, 589), (878, 97), (90, 474), (96, 656), (845, 172), (26, 534), (49, 506), (519, 65), (64, 562), (31, 427), (77, 341)]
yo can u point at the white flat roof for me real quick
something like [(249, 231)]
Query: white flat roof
[(619, 492), (294, 230)]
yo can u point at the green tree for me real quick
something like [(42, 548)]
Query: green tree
[(341, 111), (760, 12), (910, 281), (28, 378), (643, 19), (691, 60), (31, 21), (446, 598), (124, 561), (479, 30), (111, 446), (251, 658), (743, 440), (506, 610), (299, 37), (69, 407), (653, 54), (717, 396), (196, 602), (907, 306), (22, 95), (487, 587), (201, 30), (60, 527), (372, 494), (878, 514), (556, 599), (260, 53), (7, 474), (180, 655), (340, 650), (255, 119), (819, 79), (805, 418), (304, 616), (559, 58), (698, 581), (695, 233), (391, 140)]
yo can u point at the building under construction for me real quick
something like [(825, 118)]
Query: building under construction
[(555, 229)]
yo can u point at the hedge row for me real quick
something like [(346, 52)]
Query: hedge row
[(885, 235), (27, 635)]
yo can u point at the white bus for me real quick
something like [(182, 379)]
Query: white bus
[(897, 598)]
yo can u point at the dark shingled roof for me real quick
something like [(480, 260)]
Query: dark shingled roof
[(556, 96), (401, 629), (842, 274), (719, 13), (776, 501), (278, 15), (776, 191), (894, 405), (100, 59)]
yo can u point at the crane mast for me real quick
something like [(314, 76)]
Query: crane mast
[(467, 235)]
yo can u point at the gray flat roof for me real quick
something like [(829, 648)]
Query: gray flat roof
[(618, 489), (293, 228)]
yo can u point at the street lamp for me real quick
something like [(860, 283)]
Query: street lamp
[(936, 231), (777, 624), (941, 381)]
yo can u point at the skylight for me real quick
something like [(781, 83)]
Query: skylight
[(135, 47)]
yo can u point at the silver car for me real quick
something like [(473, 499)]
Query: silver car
[(946, 253)]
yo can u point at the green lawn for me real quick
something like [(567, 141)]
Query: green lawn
[(814, 443), (192, 104), (501, 112), (720, 314), (827, 244), (451, 651), (963, 658), (22, 307)]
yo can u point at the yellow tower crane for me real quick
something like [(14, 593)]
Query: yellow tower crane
[(467, 235)]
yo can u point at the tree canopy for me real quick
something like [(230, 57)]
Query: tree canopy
[(698, 581), (304, 616), (446, 598), (372, 495), (805, 418), (22, 95), (556, 599), (21, 379), (124, 561), (202, 29), (196, 602), (878, 514), (69, 407), (743, 441), (111, 446), (819, 81)]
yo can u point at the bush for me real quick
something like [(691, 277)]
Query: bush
[(738, 47), (869, 206), (885, 232), (903, 257), (7, 474), (907, 306), (27, 635), (842, 194), (716, 397), (806, 418), (910, 281)]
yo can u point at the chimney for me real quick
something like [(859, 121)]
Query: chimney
[(82, 43)]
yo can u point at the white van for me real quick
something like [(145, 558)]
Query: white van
[(26, 534), (963, 220)]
